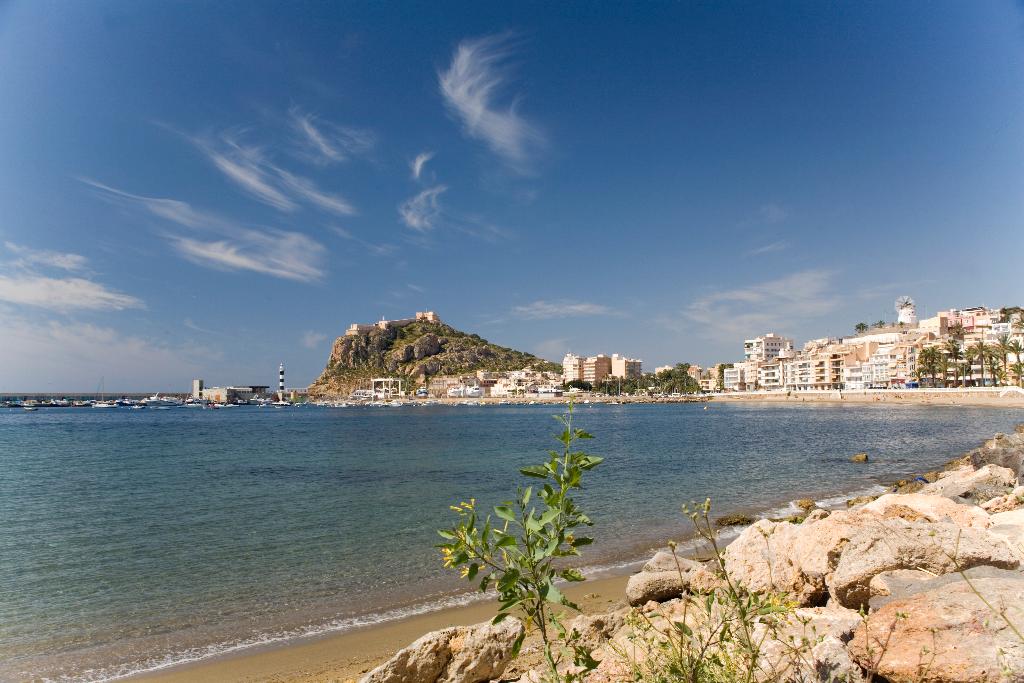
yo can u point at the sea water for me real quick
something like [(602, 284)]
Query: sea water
[(132, 540)]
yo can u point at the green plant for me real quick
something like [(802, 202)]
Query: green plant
[(518, 552), (719, 636)]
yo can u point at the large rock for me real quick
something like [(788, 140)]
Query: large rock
[(1011, 501), (1009, 526), (810, 646), (1004, 450), (591, 630), (917, 507), (662, 585), (891, 544), (975, 486), (763, 558), (904, 583), (947, 634), (794, 559), (460, 654)]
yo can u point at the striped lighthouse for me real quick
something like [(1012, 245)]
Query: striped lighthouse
[(280, 382)]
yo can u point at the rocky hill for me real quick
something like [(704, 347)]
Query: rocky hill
[(414, 352)]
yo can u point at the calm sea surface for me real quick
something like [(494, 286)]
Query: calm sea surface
[(133, 539)]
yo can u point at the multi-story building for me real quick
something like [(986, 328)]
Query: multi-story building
[(596, 368), (663, 368), (766, 347), (572, 368), (626, 368)]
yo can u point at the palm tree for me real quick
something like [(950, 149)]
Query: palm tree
[(979, 352), (1016, 348), (943, 366), (998, 374), (1018, 369), (1018, 322), (860, 328), (880, 324), (1003, 348), (954, 353), (956, 331), (928, 361)]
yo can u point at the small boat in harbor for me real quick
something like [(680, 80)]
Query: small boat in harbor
[(158, 401), (104, 404)]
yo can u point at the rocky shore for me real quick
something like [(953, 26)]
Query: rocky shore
[(922, 584)]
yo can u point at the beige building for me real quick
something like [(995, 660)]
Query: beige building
[(596, 368), (626, 368)]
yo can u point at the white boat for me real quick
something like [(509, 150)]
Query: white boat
[(29, 408), (156, 400), (281, 404), (104, 404), (396, 404)]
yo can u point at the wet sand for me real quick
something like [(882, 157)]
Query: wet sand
[(336, 658)]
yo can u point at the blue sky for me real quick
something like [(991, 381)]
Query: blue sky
[(200, 189)]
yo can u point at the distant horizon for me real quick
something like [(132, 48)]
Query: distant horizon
[(206, 190)]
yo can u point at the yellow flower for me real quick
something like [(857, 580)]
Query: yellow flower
[(464, 572)]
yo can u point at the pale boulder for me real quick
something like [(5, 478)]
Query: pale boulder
[(947, 634), (663, 585), (898, 544), (930, 508), (460, 654), (975, 486), (591, 630), (1009, 526), (1011, 501)]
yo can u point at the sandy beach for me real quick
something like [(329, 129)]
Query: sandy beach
[(341, 657), (996, 397)]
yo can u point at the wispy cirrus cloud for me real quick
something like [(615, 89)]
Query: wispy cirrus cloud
[(421, 212), (28, 257), (561, 308), (732, 314), (312, 340), (417, 164), (323, 142), (24, 285), (378, 249), (279, 253), (247, 168), (769, 248), (63, 295), (285, 255), (252, 170), (471, 86)]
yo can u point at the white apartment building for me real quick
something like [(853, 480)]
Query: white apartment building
[(572, 368), (766, 347)]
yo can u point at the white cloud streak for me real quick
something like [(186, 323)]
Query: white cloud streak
[(251, 169), (63, 294), (471, 84), (768, 248), (563, 308), (312, 340), (245, 167), (42, 257), (421, 212), (733, 314), (279, 253), (285, 255), (59, 355), (323, 143), (417, 164)]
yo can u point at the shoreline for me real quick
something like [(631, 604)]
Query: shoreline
[(344, 655)]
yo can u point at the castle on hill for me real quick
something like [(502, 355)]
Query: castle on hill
[(421, 316)]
